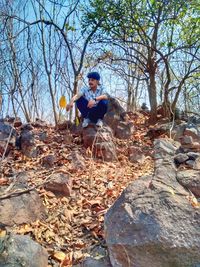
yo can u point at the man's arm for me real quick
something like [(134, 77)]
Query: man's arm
[(92, 102), (73, 99), (101, 97)]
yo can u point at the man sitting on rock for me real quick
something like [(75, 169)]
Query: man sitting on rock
[(91, 101)]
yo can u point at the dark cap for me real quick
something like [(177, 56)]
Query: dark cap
[(94, 75)]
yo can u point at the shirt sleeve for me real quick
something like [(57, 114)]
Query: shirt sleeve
[(81, 92), (104, 92)]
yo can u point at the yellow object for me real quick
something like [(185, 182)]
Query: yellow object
[(59, 255), (2, 233), (77, 121), (63, 102)]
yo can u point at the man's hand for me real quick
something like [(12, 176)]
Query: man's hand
[(69, 106), (91, 103)]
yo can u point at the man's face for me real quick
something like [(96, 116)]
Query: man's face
[(93, 83)]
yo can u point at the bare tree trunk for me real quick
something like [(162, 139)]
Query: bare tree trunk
[(135, 96), (33, 76), (75, 91), (152, 97), (48, 72), (17, 78)]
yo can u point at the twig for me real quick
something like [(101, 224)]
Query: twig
[(7, 143), (173, 121), (10, 186), (19, 192)]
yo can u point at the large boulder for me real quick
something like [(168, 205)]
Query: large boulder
[(193, 131), (153, 223), (124, 130), (18, 251), (16, 122), (27, 141), (6, 130), (100, 141), (116, 119), (7, 137), (190, 179), (22, 208), (114, 114)]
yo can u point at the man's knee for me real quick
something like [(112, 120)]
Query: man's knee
[(81, 100), (103, 103)]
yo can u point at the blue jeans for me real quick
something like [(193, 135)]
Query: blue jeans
[(94, 113)]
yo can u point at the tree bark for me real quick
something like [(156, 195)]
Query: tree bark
[(152, 97)]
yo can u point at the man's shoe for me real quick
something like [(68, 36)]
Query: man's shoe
[(85, 123), (99, 123)]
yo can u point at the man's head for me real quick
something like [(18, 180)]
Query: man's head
[(94, 79)]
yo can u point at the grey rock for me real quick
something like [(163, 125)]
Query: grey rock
[(105, 151), (193, 155), (136, 155), (48, 161), (178, 130), (165, 148), (6, 130), (27, 142), (181, 158), (43, 136), (22, 208), (152, 223), (116, 118), (187, 140), (60, 183), (18, 251), (193, 132), (7, 138), (16, 122), (27, 127), (100, 141), (190, 179), (124, 130), (114, 113), (190, 163)]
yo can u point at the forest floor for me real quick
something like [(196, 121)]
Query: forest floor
[(75, 225)]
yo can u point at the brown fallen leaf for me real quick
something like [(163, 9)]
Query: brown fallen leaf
[(59, 255), (67, 262), (4, 181), (68, 214)]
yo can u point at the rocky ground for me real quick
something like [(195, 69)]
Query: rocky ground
[(55, 188), (66, 218)]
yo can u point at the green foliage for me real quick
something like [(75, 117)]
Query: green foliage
[(141, 18), (69, 28)]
